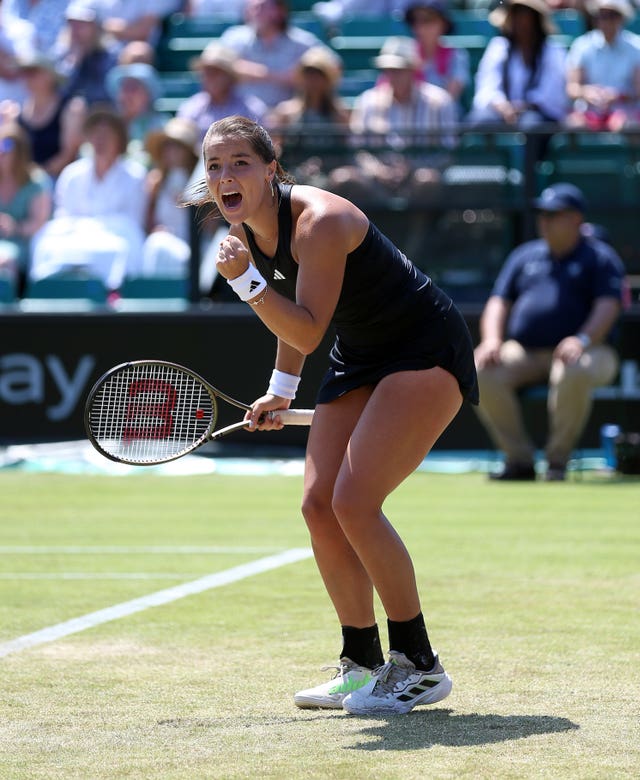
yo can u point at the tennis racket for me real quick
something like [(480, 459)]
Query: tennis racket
[(149, 411)]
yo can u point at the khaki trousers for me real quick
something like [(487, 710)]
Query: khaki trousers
[(569, 401)]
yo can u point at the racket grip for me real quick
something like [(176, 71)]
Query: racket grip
[(295, 416)]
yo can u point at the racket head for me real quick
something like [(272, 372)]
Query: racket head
[(146, 412)]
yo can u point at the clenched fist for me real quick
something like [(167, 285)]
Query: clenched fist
[(233, 258)]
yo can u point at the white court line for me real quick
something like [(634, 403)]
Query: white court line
[(131, 550), (75, 625)]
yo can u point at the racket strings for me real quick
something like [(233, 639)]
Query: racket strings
[(150, 413)]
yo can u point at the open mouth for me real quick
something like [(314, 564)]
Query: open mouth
[(231, 200)]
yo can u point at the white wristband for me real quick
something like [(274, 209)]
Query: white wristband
[(249, 284), (283, 385)]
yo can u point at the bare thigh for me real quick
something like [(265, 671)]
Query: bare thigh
[(332, 428), (404, 417)]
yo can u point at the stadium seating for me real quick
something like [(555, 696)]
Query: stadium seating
[(155, 287), (486, 175), (604, 165), (7, 288), (73, 292), (153, 293), (68, 286)]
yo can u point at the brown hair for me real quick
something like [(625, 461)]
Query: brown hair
[(102, 114), (22, 160), (255, 135)]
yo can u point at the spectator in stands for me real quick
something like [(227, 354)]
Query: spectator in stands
[(17, 38), (99, 209), (81, 55), (45, 16), (549, 319), (332, 12), (268, 48), (52, 120), (227, 9), (520, 80), (219, 96), (25, 202), (173, 153), (441, 65), (398, 113), (124, 20), (603, 71), (316, 116), (137, 51), (134, 89)]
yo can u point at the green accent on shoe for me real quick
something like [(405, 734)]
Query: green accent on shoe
[(349, 685)]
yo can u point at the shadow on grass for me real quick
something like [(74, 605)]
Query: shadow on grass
[(418, 730), (424, 729)]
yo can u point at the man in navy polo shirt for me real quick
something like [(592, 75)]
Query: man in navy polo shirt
[(549, 319)]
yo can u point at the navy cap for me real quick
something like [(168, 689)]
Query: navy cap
[(559, 197), (439, 6)]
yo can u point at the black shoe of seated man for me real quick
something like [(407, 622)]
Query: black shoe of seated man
[(556, 472), (515, 472)]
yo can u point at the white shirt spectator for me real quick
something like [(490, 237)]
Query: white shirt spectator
[(17, 40), (98, 223), (334, 11), (46, 17), (608, 65), (225, 9), (124, 13), (431, 110), (544, 88), (279, 55)]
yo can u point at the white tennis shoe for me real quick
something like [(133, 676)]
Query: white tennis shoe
[(397, 687), (330, 695)]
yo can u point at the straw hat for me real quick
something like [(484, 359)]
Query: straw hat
[(399, 52), (182, 131), (499, 17), (322, 59), (216, 56), (623, 7)]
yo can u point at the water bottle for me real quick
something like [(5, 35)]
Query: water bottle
[(608, 434)]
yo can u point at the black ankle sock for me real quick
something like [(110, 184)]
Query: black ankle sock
[(362, 646), (410, 637)]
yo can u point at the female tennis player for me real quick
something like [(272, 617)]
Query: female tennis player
[(399, 369)]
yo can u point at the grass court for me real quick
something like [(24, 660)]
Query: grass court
[(531, 593)]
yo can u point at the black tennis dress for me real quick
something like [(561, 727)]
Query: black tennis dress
[(390, 316)]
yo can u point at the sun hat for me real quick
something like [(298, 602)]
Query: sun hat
[(215, 55), (623, 7), (398, 52), (499, 17), (561, 197), (82, 11), (322, 59), (178, 129), (439, 6), (138, 71)]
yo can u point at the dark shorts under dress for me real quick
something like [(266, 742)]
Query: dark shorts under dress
[(444, 342)]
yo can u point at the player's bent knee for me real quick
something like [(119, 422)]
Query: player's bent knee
[(351, 509), (317, 512)]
